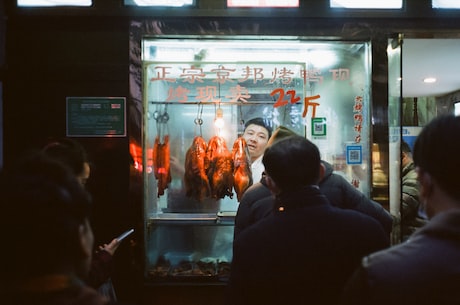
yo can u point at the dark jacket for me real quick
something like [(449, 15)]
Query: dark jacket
[(257, 202), (424, 270), (101, 269), (304, 253), (410, 204), (245, 215), (343, 194)]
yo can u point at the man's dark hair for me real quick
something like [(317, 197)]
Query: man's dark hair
[(292, 162), (43, 206), (68, 151), (405, 148), (437, 151), (260, 122)]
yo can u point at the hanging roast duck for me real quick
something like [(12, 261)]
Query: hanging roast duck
[(161, 163), (219, 165), (242, 175), (195, 177)]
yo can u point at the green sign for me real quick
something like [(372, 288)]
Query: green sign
[(318, 127), (96, 116)]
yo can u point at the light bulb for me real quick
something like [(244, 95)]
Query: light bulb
[(219, 121)]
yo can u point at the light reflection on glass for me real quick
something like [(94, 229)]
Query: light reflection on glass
[(55, 3)]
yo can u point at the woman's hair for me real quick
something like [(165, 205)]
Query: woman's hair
[(43, 206), (69, 152)]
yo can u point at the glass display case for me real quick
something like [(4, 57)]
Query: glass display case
[(209, 87)]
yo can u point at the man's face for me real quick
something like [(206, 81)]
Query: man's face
[(256, 137)]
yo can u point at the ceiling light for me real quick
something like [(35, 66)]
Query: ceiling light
[(429, 80)]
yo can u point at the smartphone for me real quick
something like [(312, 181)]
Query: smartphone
[(125, 234)]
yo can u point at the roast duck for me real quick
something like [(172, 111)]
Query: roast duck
[(242, 175), (211, 170), (195, 177), (219, 164), (161, 164)]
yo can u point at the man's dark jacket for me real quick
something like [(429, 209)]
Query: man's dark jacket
[(302, 253), (257, 201)]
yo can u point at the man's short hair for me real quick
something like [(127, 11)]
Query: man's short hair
[(405, 148), (437, 152), (292, 162), (260, 122), (43, 206)]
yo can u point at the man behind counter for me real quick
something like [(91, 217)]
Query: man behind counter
[(256, 133)]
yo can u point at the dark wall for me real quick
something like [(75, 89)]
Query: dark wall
[(49, 59)]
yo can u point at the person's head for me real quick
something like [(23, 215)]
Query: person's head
[(436, 157), (256, 133), (406, 153), (73, 155), (44, 225), (291, 163), (280, 133)]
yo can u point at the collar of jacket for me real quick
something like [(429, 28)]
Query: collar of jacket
[(445, 225), (407, 168), (299, 198)]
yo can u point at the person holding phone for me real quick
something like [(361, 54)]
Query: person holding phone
[(46, 209), (73, 154)]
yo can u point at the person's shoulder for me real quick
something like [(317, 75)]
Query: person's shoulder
[(358, 221), (255, 192)]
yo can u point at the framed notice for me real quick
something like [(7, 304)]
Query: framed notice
[(96, 117)]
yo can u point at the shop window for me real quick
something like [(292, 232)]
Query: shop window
[(262, 3), (447, 4), (366, 4), (173, 3), (40, 3)]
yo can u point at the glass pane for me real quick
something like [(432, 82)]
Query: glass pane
[(175, 3), (446, 4), (262, 3), (366, 4), (394, 123), (55, 2), (318, 89)]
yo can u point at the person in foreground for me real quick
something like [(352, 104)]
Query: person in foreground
[(425, 269), (74, 155), (45, 208), (257, 202), (306, 249)]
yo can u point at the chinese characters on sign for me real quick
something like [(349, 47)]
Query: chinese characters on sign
[(358, 117), (192, 81)]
